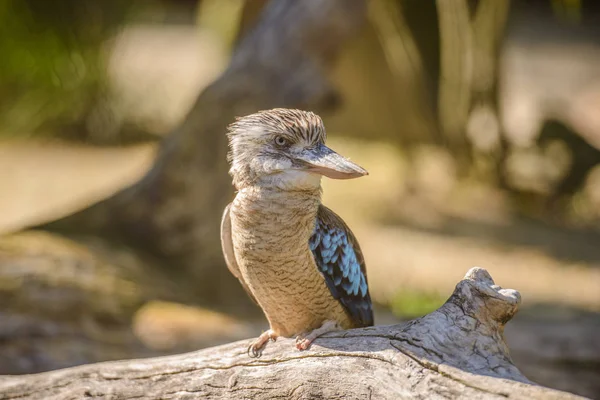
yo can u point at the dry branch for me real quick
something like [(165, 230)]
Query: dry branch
[(457, 351)]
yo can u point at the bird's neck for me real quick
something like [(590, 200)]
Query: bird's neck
[(256, 206)]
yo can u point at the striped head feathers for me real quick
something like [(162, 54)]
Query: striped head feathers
[(284, 148)]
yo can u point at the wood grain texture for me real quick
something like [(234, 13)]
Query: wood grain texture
[(457, 351)]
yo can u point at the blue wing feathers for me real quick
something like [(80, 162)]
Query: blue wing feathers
[(340, 260)]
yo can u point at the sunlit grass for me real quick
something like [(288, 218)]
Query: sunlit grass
[(415, 303)]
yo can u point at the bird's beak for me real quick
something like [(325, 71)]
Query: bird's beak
[(322, 160)]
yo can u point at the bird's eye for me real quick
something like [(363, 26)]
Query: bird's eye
[(281, 141)]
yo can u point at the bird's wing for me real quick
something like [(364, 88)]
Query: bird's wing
[(227, 246), (340, 260)]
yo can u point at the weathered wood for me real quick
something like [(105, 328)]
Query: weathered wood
[(62, 304), (457, 351)]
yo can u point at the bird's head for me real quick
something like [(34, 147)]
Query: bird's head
[(286, 149)]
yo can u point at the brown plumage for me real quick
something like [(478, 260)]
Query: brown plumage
[(294, 257)]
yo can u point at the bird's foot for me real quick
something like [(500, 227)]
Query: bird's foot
[(256, 348), (303, 341)]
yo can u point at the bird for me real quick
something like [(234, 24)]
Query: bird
[(295, 257)]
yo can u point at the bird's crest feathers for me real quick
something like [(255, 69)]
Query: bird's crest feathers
[(300, 124), (251, 149)]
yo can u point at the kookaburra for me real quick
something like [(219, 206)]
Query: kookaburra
[(295, 257)]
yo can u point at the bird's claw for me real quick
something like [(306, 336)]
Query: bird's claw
[(256, 348), (304, 340), (254, 351), (302, 343)]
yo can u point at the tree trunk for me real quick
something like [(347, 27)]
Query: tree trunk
[(174, 212), (457, 351), (469, 47)]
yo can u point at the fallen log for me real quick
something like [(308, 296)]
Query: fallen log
[(457, 351)]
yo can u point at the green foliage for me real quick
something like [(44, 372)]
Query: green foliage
[(53, 67), (567, 10), (412, 303)]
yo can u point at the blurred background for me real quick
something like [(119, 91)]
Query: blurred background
[(478, 120)]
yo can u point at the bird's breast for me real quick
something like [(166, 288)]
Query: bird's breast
[(272, 251)]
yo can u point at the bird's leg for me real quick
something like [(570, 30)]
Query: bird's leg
[(304, 341), (256, 348)]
